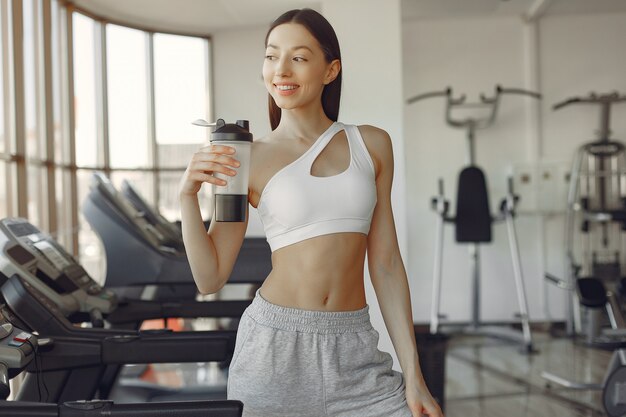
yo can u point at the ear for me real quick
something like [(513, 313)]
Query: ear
[(332, 71)]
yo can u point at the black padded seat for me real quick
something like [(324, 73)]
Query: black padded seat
[(473, 216), (591, 292)]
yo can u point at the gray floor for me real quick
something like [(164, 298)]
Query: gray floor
[(484, 377)]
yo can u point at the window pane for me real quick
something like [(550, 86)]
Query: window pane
[(127, 97), (35, 195), (85, 90), (64, 232), (32, 100), (91, 252), (180, 88), (30, 79), (57, 75)]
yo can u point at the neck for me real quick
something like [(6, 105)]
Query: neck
[(302, 123)]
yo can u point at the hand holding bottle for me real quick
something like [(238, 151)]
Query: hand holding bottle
[(204, 165)]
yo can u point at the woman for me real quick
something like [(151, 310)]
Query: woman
[(306, 346)]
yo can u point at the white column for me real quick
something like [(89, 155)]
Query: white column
[(369, 33)]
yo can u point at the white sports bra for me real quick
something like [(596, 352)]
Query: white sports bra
[(295, 205)]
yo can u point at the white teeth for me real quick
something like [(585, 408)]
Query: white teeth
[(286, 87)]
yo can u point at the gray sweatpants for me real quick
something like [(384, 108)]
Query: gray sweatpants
[(303, 363)]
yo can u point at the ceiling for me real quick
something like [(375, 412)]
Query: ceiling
[(202, 17), (422, 9), (209, 16)]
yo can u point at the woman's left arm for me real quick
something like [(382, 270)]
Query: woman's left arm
[(389, 277)]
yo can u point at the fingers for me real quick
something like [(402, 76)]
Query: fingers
[(204, 177), (211, 159), (203, 156), (211, 167), (430, 409), (221, 149), (433, 409)]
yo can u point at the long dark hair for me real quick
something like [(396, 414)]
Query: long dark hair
[(321, 30)]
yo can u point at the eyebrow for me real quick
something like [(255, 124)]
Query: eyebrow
[(293, 49)]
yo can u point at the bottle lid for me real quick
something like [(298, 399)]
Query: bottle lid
[(231, 131)]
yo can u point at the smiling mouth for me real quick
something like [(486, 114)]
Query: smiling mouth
[(287, 87)]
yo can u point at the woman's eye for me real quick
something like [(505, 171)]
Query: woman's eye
[(299, 59), (269, 57)]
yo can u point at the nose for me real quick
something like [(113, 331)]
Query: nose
[(283, 68)]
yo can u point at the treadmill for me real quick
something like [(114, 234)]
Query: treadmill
[(73, 365), (18, 348), (26, 250), (145, 254), (44, 265)]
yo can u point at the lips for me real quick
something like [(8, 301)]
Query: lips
[(286, 89)]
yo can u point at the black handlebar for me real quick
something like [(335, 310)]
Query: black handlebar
[(99, 408), (499, 90), (447, 92), (593, 98), (485, 101)]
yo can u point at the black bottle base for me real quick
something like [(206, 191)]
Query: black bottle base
[(231, 207)]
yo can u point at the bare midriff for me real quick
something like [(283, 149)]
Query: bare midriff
[(324, 273)]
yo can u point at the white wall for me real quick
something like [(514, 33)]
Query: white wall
[(564, 56)]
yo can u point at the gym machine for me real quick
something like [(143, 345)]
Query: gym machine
[(45, 266), (144, 257), (19, 350), (594, 230), (26, 250), (473, 219), (72, 368), (594, 252)]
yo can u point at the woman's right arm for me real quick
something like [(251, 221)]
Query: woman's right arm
[(211, 253)]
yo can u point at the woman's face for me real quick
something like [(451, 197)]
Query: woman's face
[(295, 70)]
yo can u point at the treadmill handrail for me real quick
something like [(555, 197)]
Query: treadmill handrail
[(99, 408)]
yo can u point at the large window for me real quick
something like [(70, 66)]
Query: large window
[(80, 94)]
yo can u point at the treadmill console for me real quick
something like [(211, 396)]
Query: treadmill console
[(36, 256), (16, 346)]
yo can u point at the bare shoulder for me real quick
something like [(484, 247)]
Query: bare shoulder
[(261, 145), (263, 153), (378, 143)]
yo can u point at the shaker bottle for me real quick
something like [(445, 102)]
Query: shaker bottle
[(231, 200)]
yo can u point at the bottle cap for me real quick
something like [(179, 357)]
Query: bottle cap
[(231, 131)]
